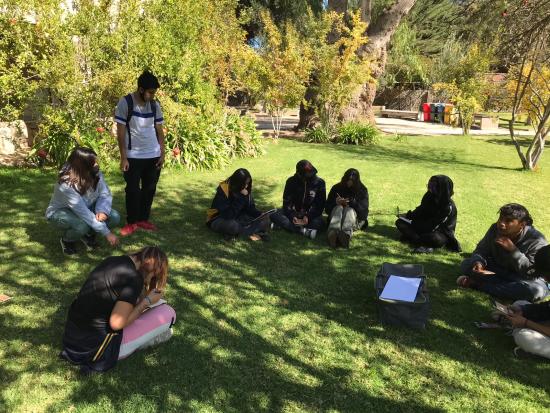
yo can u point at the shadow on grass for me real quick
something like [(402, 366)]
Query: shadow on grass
[(249, 315), (402, 153)]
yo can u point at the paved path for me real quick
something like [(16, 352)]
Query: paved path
[(412, 127), (388, 125)]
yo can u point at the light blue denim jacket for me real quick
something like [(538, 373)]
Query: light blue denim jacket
[(83, 206)]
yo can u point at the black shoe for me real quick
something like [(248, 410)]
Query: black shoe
[(90, 241), (344, 239), (68, 247)]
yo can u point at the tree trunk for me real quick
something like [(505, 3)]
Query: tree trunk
[(379, 34)]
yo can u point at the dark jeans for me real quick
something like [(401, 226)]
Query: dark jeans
[(435, 239), (507, 285), (242, 226), (141, 184), (279, 218)]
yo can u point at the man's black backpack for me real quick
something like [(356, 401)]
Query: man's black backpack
[(130, 104)]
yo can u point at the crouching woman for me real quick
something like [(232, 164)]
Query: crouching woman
[(112, 317)]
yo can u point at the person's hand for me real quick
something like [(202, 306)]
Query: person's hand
[(160, 162), (478, 267), (506, 243), (305, 220), (244, 191), (517, 320), (515, 309), (298, 221), (340, 201), (124, 164), (112, 239), (155, 296), (101, 216)]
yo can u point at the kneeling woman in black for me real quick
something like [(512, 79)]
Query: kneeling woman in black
[(432, 224), (112, 316)]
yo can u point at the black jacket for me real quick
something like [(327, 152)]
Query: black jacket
[(437, 212), (230, 206), (358, 201), (304, 198)]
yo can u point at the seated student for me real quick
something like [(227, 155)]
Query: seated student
[(233, 212), (432, 224), (108, 320), (531, 322), (81, 203), (347, 207), (303, 202), (501, 264)]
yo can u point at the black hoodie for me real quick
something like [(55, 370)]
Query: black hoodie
[(304, 194), (358, 201), (437, 211)]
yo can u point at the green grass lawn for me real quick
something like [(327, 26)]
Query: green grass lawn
[(285, 326)]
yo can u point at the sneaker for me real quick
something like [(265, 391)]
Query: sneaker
[(90, 241), (146, 225), (333, 238), (68, 247), (161, 338), (309, 233), (128, 229), (423, 250), (344, 239)]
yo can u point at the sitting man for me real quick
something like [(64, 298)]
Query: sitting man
[(303, 202), (531, 322), (502, 263)]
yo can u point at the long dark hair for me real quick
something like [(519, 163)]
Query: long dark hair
[(78, 171), (353, 175), (237, 181)]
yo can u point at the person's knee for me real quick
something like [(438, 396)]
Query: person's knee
[(531, 341), (114, 218), (233, 228), (537, 291), (80, 228)]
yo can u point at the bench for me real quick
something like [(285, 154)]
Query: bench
[(401, 114), (486, 121)]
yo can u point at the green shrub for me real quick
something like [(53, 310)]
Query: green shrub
[(349, 133), (355, 133), (317, 135), (200, 140)]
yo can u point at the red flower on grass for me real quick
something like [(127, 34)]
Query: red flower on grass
[(42, 153), (100, 129), (176, 151)]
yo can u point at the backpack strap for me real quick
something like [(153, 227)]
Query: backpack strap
[(130, 104), (154, 110)]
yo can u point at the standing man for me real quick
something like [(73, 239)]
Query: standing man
[(141, 144)]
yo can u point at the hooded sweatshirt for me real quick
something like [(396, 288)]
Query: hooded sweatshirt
[(229, 205), (437, 211), (358, 201), (304, 193)]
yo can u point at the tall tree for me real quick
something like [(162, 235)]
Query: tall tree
[(381, 26)]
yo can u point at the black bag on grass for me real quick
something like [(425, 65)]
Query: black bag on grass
[(402, 313)]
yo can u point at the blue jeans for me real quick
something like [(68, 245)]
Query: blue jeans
[(75, 228), (507, 285)]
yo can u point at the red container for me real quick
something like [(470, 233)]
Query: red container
[(426, 109)]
